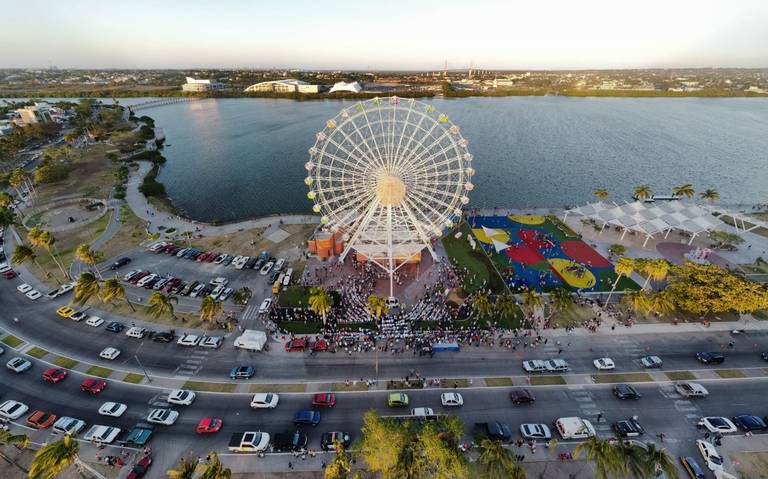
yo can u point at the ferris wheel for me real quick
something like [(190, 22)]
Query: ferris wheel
[(390, 174)]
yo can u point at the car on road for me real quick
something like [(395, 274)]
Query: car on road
[(324, 400), (65, 312), (182, 397), (691, 390), (41, 419), (164, 336), (93, 385), (628, 428), (115, 327), (307, 417), (33, 294), (119, 263), (397, 400), (113, 409), (265, 400), (213, 342), (750, 423), (136, 332), (712, 459), (289, 442), (224, 295), (534, 366), (574, 428), (242, 372), (140, 468), (102, 434), (692, 467), (77, 316), (187, 339), (296, 345), (535, 431), (109, 353), (451, 399), (23, 288), (163, 416), (709, 357), (328, 440), (764, 355), (12, 410), (717, 424), (209, 425), (521, 396), (68, 425), (94, 321), (493, 430), (264, 307), (604, 364), (625, 391), (54, 375), (556, 365), (18, 364)]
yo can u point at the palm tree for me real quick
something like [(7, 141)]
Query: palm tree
[(89, 256), (87, 286), (601, 193), (6, 200), (7, 438), (656, 269), (23, 253), (16, 180), (662, 302), (184, 470), (320, 302), (215, 469), (606, 457), (242, 295), (506, 306), (643, 192), (633, 457), (376, 307), (532, 300), (210, 308), (659, 460), (52, 459), (710, 194), (45, 240), (623, 267), (684, 190), (7, 217), (561, 299), (113, 291), (482, 305), (498, 462), (637, 301), (160, 304)]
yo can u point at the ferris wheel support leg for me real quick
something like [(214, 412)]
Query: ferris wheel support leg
[(389, 248), (360, 227)]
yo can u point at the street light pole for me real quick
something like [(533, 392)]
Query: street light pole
[(149, 379)]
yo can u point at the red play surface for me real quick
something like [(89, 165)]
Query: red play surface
[(524, 254), (529, 237), (581, 252)]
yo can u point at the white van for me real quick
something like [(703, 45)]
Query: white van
[(534, 366), (102, 434), (574, 428), (287, 277), (252, 340)]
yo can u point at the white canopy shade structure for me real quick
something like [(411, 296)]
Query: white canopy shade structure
[(650, 218)]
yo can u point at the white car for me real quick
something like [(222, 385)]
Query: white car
[(451, 400), (136, 332), (4, 268), (113, 409), (535, 431), (77, 316), (33, 294), (94, 321), (165, 417), (131, 274), (182, 397), (187, 339), (556, 365), (66, 288), (220, 281), (13, 410), (651, 362), (198, 289), (534, 366), (23, 288), (713, 460), (265, 269), (68, 425), (224, 295), (211, 342), (723, 425), (18, 364), (265, 401), (146, 279), (422, 412), (155, 247), (102, 434), (691, 390), (241, 264), (604, 364), (236, 261), (109, 353), (217, 291), (265, 305)]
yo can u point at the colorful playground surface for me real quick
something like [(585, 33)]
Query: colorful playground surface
[(543, 253)]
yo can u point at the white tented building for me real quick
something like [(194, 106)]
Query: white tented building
[(285, 86), (353, 87), (194, 85)]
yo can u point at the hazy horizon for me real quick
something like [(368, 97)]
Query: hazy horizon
[(408, 36)]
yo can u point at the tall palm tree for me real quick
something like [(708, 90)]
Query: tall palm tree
[(482, 305), (87, 286), (184, 470), (320, 302), (89, 256), (23, 253), (160, 304), (607, 459), (684, 190), (498, 462), (655, 269), (112, 290), (637, 301), (532, 300), (506, 306), (17, 179), (52, 459), (657, 459), (633, 457), (7, 217), (623, 267), (215, 469), (6, 200), (242, 295), (210, 308), (45, 240), (7, 438), (561, 300), (662, 302), (643, 192), (601, 194), (376, 307), (710, 194)]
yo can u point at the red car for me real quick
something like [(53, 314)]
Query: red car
[(54, 375), (140, 468), (10, 274), (296, 345), (319, 345), (93, 385), (209, 425), (136, 278), (324, 400)]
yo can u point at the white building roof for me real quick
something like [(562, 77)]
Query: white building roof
[(349, 87), (289, 82)]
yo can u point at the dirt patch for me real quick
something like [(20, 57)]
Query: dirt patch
[(751, 464), (251, 242)]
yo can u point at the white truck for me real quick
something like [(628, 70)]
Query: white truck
[(250, 441), (251, 340)]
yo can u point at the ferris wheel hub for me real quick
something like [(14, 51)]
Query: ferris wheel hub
[(390, 190)]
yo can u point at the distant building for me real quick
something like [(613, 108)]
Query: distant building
[(37, 113), (194, 85), (353, 87), (285, 86)]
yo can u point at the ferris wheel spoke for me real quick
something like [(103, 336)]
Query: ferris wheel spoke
[(358, 129), (429, 200), (324, 152), (371, 156), (418, 162), (417, 226), (354, 168), (373, 137), (402, 132), (419, 142)]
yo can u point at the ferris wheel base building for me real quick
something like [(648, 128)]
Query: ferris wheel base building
[(327, 245)]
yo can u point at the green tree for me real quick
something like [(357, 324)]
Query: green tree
[(185, 469), (684, 190), (161, 304), (497, 462), (710, 194), (376, 307), (7, 217), (603, 454), (242, 295), (637, 301), (86, 287), (482, 305), (643, 192), (532, 300), (210, 308), (6, 200), (215, 469), (381, 444), (506, 306), (658, 459), (320, 302), (561, 300), (601, 194), (45, 240), (53, 459), (114, 291), (340, 465), (654, 269), (623, 267), (89, 256), (661, 302), (7, 438)]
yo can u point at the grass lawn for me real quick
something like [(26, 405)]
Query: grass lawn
[(481, 270), (680, 375), (133, 378), (210, 387), (547, 380), (730, 373), (299, 327), (12, 341), (498, 382), (99, 371), (459, 383), (128, 236), (278, 388), (139, 311), (91, 175), (622, 378), (729, 221), (294, 297), (572, 317), (356, 386), (63, 362), (38, 353)]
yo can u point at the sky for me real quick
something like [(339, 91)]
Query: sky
[(384, 35)]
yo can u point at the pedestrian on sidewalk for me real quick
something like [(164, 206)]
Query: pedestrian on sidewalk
[(290, 465)]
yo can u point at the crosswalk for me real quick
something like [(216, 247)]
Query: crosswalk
[(250, 312), (582, 396), (629, 345), (193, 363)]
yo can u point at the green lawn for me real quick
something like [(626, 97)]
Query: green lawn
[(358, 386), (278, 388), (480, 269), (63, 362), (547, 380), (133, 378), (622, 378), (730, 373), (38, 353), (12, 341), (210, 387), (294, 297), (498, 382), (680, 375), (99, 371)]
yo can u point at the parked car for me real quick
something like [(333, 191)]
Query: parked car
[(556, 365), (264, 307), (397, 400), (213, 342), (77, 316), (328, 440), (164, 336), (242, 372), (299, 344), (307, 417), (522, 396), (93, 385), (68, 425), (140, 468), (628, 428), (712, 458), (136, 332), (94, 321), (493, 430), (451, 399), (692, 467), (11, 410), (41, 419), (717, 424), (265, 400), (710, 357), (54, 375), (187, 339), (115, 327), (324, 400), (750, 423), (119, 263), (535, 432), (289, 442), (65, 312), (102, 434), (625, 391)]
